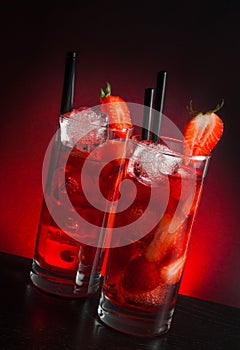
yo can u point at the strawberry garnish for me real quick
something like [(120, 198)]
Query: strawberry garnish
[(202, 132), (117, 110)]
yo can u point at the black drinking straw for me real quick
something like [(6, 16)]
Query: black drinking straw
[(147, 115), (159, 101), (66, 106), (68, 85)]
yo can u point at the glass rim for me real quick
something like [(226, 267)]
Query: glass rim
[(198, 158)]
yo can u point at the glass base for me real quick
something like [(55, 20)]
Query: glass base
[(133, 322), (63, 285)]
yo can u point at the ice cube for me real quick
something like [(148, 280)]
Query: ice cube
[(187, 172), (168, 160), (84, 128), (142, 164), (151, 163)]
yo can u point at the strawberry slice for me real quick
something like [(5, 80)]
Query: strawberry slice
[(166, 239), (172, 272), (140, 276), (202, 132), (143, 273), (117, 110)]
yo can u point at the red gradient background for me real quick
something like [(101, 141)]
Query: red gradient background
[(125, 44)]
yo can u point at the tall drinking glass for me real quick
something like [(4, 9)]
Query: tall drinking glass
[(142, 278), (80, 176)]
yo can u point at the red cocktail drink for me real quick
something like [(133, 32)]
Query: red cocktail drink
[(142, 278), (83, 172)]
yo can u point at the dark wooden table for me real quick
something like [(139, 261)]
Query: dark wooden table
[(30, 319)]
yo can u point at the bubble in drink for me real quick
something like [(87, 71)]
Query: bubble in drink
[(151, 298)]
